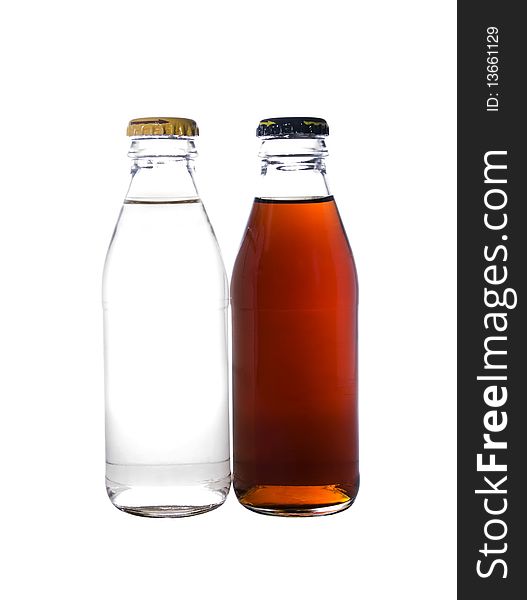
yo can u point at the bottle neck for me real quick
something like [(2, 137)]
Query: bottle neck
[(293, 168), (162, 170)]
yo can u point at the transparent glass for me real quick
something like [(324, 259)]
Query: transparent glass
[(294, 301), (165, 299)]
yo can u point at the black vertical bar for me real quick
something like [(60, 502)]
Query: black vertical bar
[(492, 252)]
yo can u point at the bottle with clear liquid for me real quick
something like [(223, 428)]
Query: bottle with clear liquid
[(165, 300), (294, 311)]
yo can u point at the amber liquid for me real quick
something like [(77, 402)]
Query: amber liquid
[(294, 307)]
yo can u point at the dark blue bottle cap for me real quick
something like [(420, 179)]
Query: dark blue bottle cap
[(292, 127)]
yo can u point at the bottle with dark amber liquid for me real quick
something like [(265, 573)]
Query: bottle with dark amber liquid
[(294, 307)]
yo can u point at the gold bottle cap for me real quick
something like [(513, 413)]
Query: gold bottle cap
[(153, 126)]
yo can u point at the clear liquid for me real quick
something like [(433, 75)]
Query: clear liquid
[(165, 300)]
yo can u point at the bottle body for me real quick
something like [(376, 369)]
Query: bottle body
[(294, 307), (165, 299)]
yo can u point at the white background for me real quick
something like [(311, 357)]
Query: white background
[(383, 74)]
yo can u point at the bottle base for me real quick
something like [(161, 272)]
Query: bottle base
[(159, 492), (296, 500), (166, 511)]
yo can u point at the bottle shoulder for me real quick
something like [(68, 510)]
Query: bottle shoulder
[(294, 251), (170, 248), (172, 226)]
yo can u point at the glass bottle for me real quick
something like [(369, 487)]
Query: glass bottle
[(165, 299), (294, 311)]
